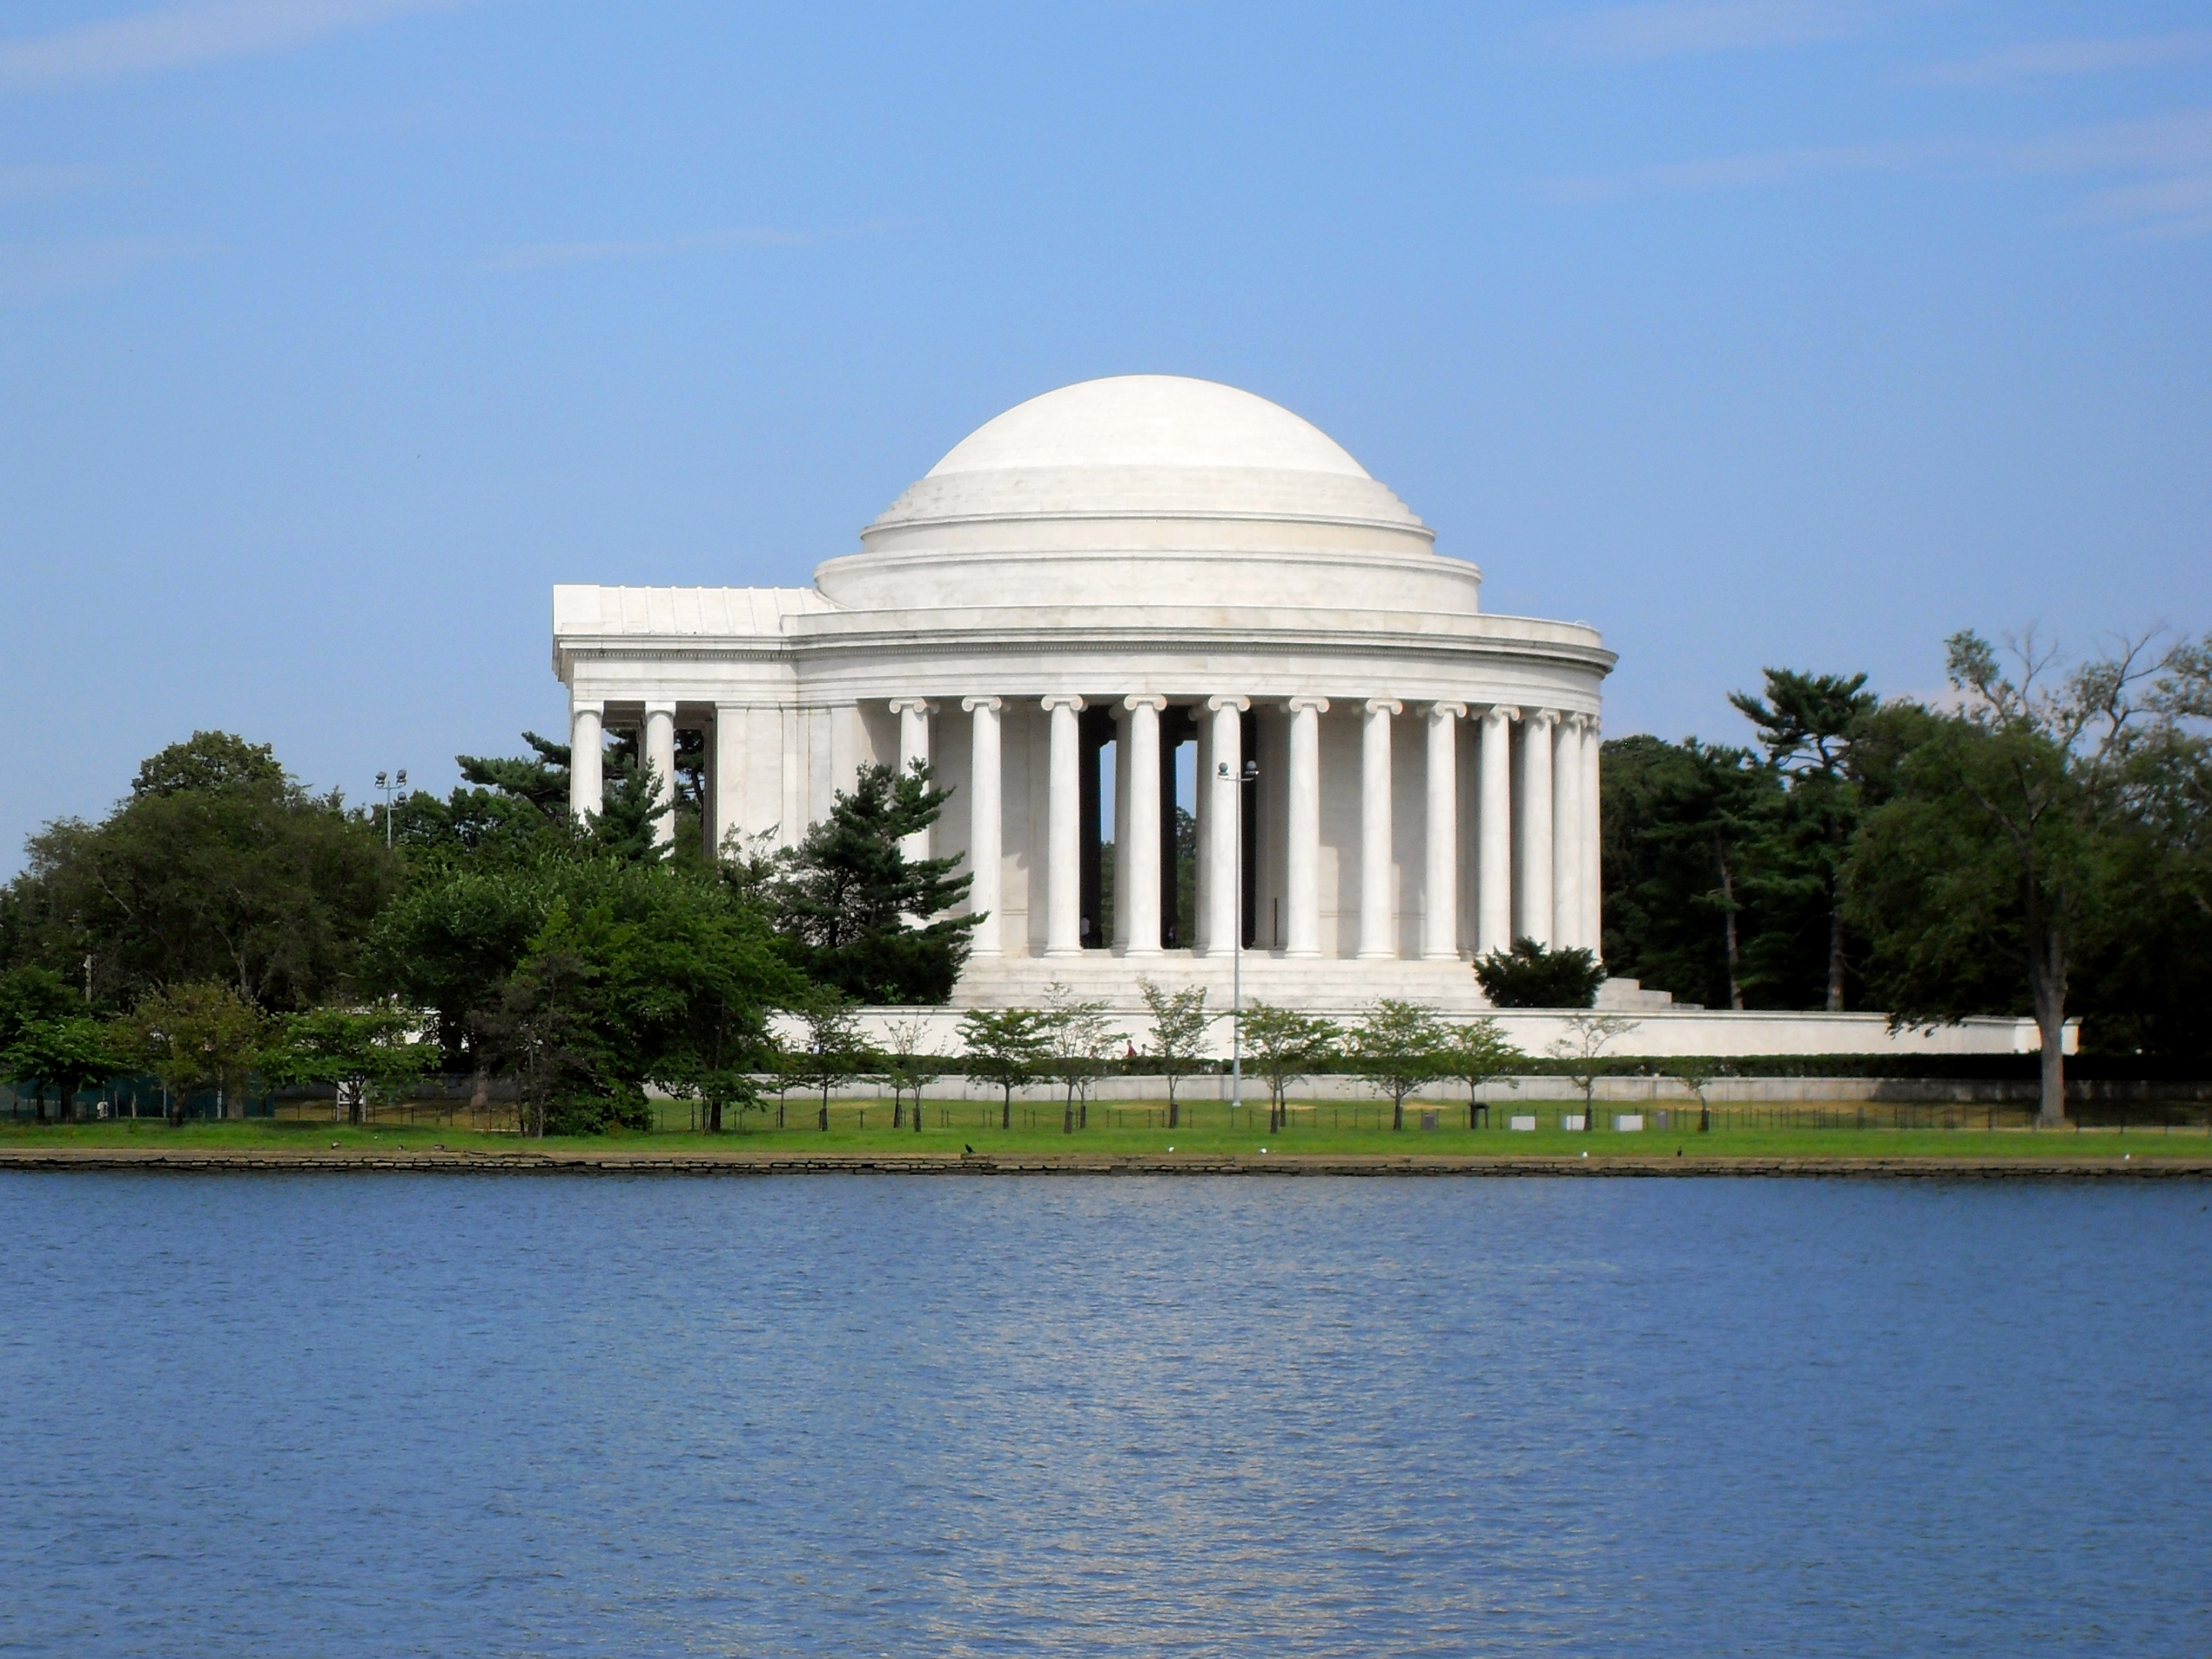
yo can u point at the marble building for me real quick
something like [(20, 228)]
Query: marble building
[(1122, 598)]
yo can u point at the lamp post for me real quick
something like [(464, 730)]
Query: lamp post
[(1248, 773), (391, 787)]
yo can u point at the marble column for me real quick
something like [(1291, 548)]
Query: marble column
[(914, 714), (586, 758), (1493, 853), (657, 749), (1567, 833), (1302, 925), (1593, 842), (1533, 908), (1137, 861), (1063, 834), (1440, 842), (1225, 786), (1378, 917), (985, 862)]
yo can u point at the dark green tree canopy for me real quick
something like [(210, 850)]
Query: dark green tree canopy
[(210, 761), (860, 916), (217, 866), (1532, 975)]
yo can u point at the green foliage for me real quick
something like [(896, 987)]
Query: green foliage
[(639, 974), (1008, 1047), (209, 762), (67, 1054), (217, 866), (2057, 820), (1532, 975), (370, 1054), (860, 917), (1396, 1048), (1284, 1044), (195, 1036), (1476, 1051), (835, 1052), (1080, 1045), (909, 1065), (1179, 1024), (1580, 1050)]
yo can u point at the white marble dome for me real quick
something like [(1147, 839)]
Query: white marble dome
[(1152, 489)]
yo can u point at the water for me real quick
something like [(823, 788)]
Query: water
[(378, 1415)]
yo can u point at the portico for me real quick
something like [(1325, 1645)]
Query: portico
[(1183, 577)]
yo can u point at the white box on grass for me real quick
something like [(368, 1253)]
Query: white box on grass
[(1521, 1123)]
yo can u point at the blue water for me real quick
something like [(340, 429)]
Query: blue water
[(377, 1415)]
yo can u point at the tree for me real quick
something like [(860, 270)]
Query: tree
[(1007, 1046), (2016, 844), (906, 1063), (1685, 829), (68, 1054), (1397, 1047), (1079, 1047), (450, 942), (1696, 1072), (219, 866), (1808, 724), (1285, 1044), (31, 999), (366, 1054), (1580, 1047), (1475, 1051), (543, 1030), (835, 1052), (195, 1036), (861, 915), (1532, 975), (1179, 1023)]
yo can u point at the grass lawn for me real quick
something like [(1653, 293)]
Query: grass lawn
[(1784, 1135)]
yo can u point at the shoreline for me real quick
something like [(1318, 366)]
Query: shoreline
[(614, 1161)]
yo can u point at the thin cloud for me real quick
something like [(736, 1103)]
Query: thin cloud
[(2179, 141), (1746, 171), (1665, 28), (548, 255), (31, 271), (2170, 156), (32, 181), (182, 36), (2035, 60)]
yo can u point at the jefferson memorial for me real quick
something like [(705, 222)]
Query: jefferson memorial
[(1386, 782)]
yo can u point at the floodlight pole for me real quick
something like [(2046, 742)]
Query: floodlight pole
[(391, 786), (1249, 771)]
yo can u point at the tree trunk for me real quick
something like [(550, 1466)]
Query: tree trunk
[(2047, 980), (1728, 927), (1006, 1111)]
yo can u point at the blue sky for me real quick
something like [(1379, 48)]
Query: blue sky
[(333, 332)]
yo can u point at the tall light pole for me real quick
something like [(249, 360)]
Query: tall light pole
[(1247, 773), (391, 787)]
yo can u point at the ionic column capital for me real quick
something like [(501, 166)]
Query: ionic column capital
[(1500, 713), (1240, 704), (1300, 704), (1447, 711), (1383, 705), (1539, 719), (587, 706), (1060, 700), (970, 705), (912, 705), (668, 708), (1151, 700)]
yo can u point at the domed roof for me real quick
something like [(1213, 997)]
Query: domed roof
[(1148, 420), (1147, 488)]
